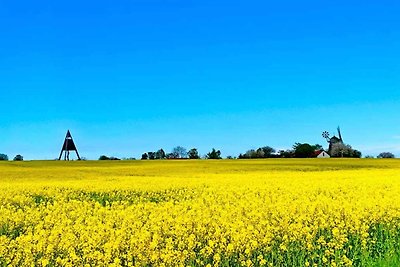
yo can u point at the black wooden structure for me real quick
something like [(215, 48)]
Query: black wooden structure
[(68, 146)]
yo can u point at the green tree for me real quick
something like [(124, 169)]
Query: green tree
[(268, 151), (303, 150), (214, 154), (250, 154), (286, 153), (152, 155), (317, 147), (259, 153), (340, 150), (179, 152), (3, 157), (145, 156), (103, 157), (386, 155), (18, 158), (193, 154), (160, 154)]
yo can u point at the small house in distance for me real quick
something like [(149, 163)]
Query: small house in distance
[(323, 155)]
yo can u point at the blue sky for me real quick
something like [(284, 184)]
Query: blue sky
[(127, 77)]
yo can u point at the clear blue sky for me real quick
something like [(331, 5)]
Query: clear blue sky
[(127, 77)]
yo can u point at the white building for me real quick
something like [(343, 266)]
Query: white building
[(323, 155)]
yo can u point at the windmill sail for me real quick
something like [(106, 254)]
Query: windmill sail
[(340, 134)]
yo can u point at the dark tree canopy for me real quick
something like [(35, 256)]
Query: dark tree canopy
[(267, 151), (152, 155), (193, 154), (3, 157), (145, 156), (104, 157), (214, 154), (262, 152), (303, 150), (18, 158), (250, 154), (340, 150), (386, 155), (286, 153), (160, 154), (179, 152), (169, 156), (317, 147)]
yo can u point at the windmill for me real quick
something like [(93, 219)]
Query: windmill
[(68, 146), (332, 140), (340, 134)]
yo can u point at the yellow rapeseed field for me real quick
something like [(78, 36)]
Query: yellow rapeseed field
[(313, 212)]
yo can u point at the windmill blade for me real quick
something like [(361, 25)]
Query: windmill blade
[(325, 135), (340, 134)]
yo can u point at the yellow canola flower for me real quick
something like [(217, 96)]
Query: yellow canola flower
[(198, 213)]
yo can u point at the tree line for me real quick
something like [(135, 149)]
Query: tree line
[(299, 150), (177, 152), (4, 157), (180, 152)]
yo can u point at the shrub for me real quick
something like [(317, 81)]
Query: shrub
[(18, 158), (386, 155)]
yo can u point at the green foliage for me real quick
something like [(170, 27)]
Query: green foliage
[(387, 261), (260, 153), (179, 152), (18, 158), (11, 232), (152, 155), (39, 199), (340, 150), (303, 150), (317, 147), (160, 154), (286, 153), (214, 154), (3, 157), (386, 155), (145, 156), (193, 154), (103, 157)]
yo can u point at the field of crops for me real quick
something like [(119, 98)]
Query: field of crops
[(200, 213)]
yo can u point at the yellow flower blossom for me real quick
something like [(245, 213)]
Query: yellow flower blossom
[(198, 213)]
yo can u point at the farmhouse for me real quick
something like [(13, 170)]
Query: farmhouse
[(323, 155)]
